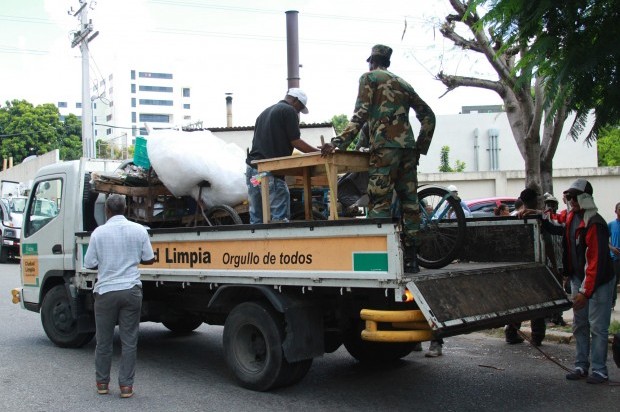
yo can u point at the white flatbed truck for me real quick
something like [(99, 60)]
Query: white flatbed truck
[(285, 293)]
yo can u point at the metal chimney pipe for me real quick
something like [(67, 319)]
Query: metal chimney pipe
[(228, 109), (292, 48)]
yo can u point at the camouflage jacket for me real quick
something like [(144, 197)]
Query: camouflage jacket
[(383, 101)]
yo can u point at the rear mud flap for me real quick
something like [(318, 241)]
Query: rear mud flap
[(457, 302)]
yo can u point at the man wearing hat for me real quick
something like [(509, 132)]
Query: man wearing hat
[(276, 134), (592, 280), (384, 100)]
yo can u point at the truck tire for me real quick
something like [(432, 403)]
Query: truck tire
[(374, 352), (182, 324), (253, 336), (58, 322)]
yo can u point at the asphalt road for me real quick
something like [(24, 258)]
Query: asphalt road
[(478, 372)]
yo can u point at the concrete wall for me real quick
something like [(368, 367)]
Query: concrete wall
[(472, 185), (25, 171)]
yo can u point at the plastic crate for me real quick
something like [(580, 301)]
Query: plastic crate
[(140, 155)]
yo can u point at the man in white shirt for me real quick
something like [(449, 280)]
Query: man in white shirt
[(115, 250)]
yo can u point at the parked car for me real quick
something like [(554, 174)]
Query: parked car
[(9, 234), (484, 207)]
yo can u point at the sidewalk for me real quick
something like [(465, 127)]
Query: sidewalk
[(563, 334)]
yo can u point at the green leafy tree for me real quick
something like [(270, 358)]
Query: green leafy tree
[(608, 145), (444, 162), (339, 122), (27, 130), (573, 45), (521, 90), (71, 142)]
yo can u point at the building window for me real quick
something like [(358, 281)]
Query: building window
[(187, 117), (78, 105), (150, 75), (143, 131), (186, 92), (133, 117), (133, 75), (152, 102), (155, 89), (186, 105), (133, 87), (62, 104), (95, 105), (133, 102), (134, 132), (95, 132), (108, 131), (111, 103), (108, 118), (111, 90), (155, 118)]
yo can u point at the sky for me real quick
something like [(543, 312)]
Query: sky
[(236, 46)]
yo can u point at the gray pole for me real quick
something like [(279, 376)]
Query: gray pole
[(87, 105), (83, 37)]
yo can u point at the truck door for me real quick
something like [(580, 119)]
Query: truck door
[(42, 234)]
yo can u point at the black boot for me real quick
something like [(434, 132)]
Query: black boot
[(411, 260)]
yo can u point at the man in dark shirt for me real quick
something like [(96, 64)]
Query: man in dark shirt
[(276, 134)]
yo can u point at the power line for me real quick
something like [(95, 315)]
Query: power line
[(17, 50), (22, 19), (273, 11)]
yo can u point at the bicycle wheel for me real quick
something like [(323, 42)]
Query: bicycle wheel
[(223, 215), (442, 228)]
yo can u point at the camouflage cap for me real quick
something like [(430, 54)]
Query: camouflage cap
[(380, 50)]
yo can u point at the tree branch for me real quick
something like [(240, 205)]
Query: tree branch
[(447, 30), (452, 82), (482, 41)]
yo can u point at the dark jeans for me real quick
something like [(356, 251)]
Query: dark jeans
[(122, 307), (539, 329)]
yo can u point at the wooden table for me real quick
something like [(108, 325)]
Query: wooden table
[(308, 165)]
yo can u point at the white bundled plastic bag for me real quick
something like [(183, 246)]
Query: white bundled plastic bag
[(182, 160)]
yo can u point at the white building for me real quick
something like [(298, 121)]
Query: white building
[(128, 98), (484, 141)]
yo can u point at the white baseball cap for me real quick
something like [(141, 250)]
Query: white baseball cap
[(299, 95)]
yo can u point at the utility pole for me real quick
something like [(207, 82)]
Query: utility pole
[(83, 37)]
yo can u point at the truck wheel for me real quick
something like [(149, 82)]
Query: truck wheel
[(374, 352), (182, 324), (58, 322), (4, 255), (253, 336)]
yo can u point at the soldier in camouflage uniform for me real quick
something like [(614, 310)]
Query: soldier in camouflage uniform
[(383, 101)]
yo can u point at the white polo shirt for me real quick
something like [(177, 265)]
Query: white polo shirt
[(116, 249)]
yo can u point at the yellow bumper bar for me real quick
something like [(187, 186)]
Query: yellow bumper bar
[(412, 323)]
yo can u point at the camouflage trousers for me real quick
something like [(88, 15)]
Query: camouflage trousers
[(395, 171)]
